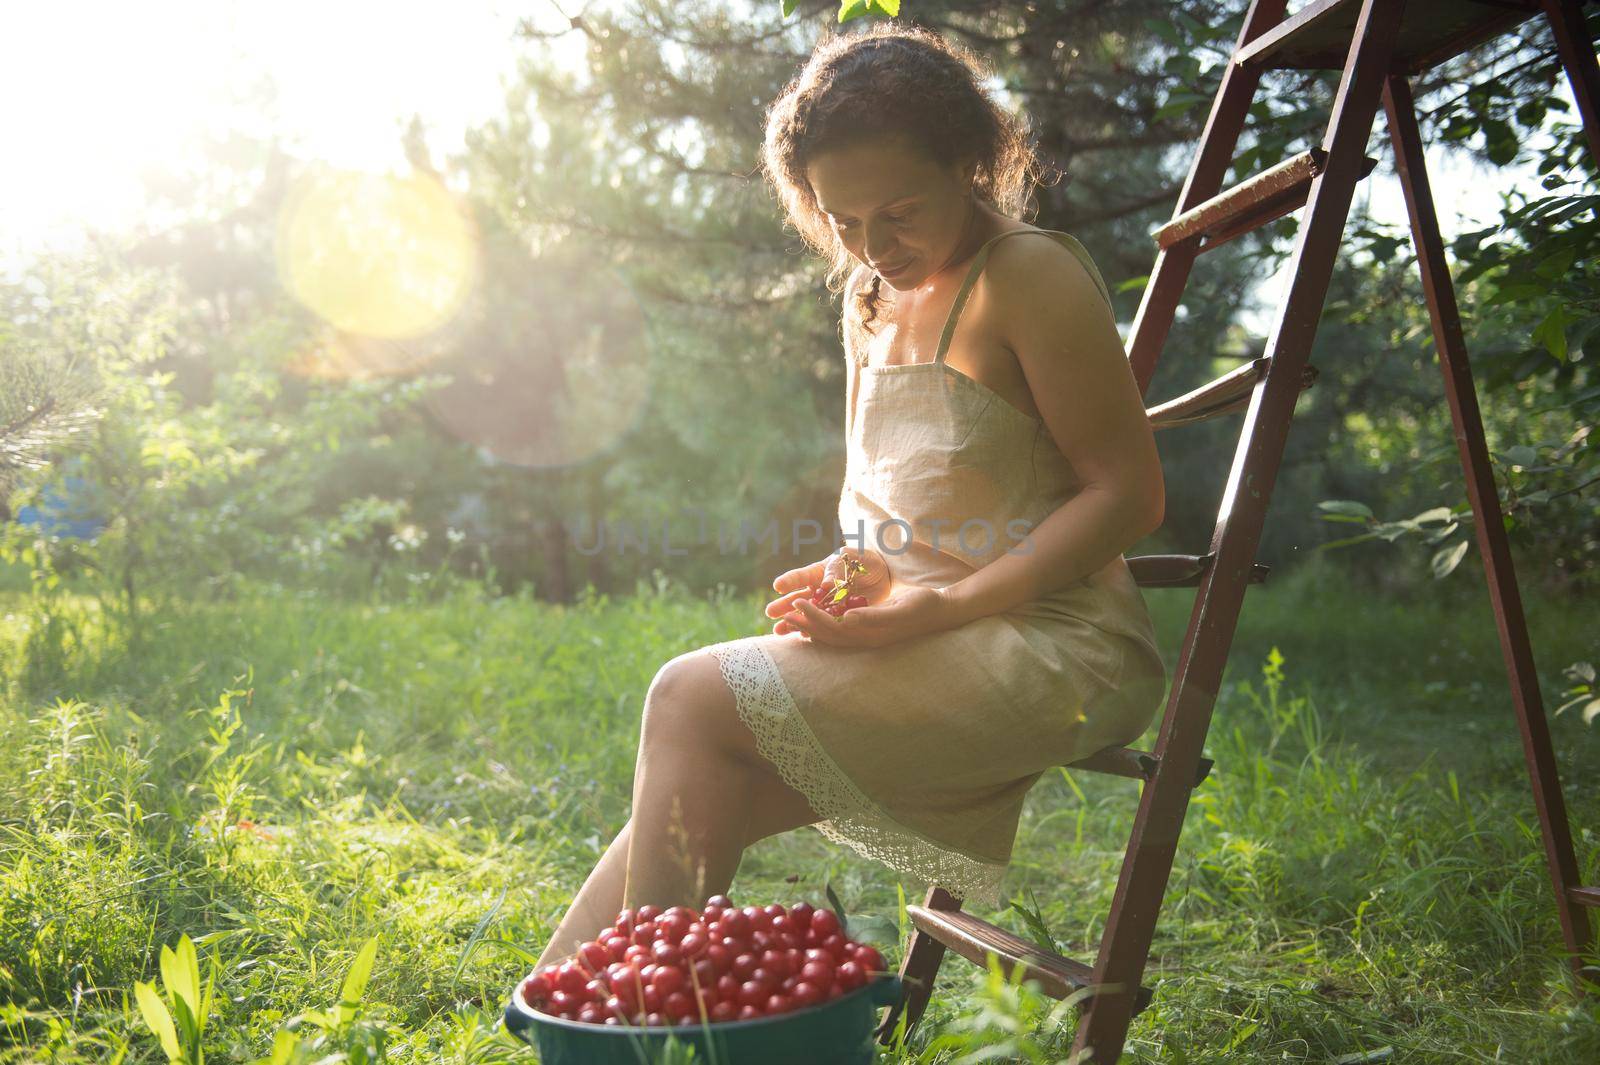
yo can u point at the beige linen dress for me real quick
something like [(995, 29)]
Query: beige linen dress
[(919, 754)]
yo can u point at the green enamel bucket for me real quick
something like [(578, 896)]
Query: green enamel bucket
[(834, 1033)]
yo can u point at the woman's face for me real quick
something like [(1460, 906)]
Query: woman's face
[(892, 208)]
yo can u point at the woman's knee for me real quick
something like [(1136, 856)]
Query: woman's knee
[(689, 701)]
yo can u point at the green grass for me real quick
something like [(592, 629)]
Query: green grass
[(1361, 875)]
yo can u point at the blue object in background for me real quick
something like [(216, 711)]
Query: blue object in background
[(64, 510)]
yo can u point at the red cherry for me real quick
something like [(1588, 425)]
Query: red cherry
[(596, 990), (595, 956), (648, 912), (636, 953), (818, 973), (652, 998), (850, 976), (737, 924), (627, 992), (720, 901), (728, 986), (870, 959), (672, 928), (564, 1003), (753, 994), (720, 956), (570, 977), (705, 973), (644, 933), (766, 978), (825, 922), (693, 945), (833, 992), (616, 943), (779, 1004), (800, 914), (666, 953), (678, 1005), (592, 1013), (668, 979), (835, 944), (725, 1011), (655, 1020), (625, 920), (761, 939), (748, 1012), (806, 994), (744, 965)]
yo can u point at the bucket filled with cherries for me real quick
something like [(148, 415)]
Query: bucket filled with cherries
[(750, 985)]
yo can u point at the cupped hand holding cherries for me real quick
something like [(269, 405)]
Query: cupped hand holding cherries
[(843, 581), (683, 966)]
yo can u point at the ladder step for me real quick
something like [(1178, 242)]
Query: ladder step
[(1318, 36), (973, 938), (1132, 763), (1252, 203), (1227, 393), (1181, 571), (1585, 896)]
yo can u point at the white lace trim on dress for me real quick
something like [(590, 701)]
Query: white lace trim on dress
[(849, 817)]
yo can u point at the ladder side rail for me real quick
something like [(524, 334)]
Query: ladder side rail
[(1489, 528), (1578, 58), (1170, 273), (1140, 887)]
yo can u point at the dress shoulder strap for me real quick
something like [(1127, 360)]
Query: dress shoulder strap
[(1073, 245)]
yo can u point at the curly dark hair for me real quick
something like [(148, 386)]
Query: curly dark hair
[(892, 80)]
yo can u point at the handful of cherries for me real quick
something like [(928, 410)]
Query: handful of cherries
[(683, 966), (838, 597)]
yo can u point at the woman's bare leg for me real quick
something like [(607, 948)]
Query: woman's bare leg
[(596, 904), (768, 805), (690, 812)]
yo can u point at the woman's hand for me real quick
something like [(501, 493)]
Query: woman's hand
[(796, 585), (909, 612)]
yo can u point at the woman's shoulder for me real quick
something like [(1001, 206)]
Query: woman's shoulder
[(1047, 268)]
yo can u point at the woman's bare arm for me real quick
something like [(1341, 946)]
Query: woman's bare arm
[(1065, 338)]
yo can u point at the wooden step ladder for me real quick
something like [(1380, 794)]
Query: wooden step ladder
[(1378, 45)]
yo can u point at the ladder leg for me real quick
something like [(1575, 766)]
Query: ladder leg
[(917, 972), (1130, 926), (1488, 525), (1171, 271), (1583, 71)]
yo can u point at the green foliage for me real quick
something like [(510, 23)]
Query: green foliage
[(287, 779), (179, 1023)]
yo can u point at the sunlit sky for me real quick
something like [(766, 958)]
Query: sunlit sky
[(97, 94)]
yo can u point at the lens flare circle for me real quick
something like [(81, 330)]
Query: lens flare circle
[(376, 255)]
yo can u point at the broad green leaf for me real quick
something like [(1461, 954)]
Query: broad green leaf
[(283, 1047), (1435, 514), (355, 981), (1347, 507), (159, 1020), (788, 7), (874, 928), (1552, 332), (1447, 558), (1521, 455), (888, 7), (849, 9)]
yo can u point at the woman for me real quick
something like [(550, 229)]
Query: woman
[(999, 462)]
